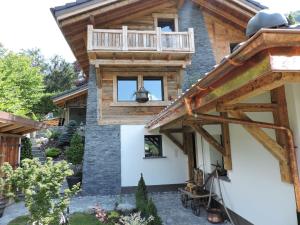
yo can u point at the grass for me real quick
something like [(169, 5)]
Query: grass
[(75, 219)]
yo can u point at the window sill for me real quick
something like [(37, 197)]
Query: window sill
[(135, 104), (155, 157)]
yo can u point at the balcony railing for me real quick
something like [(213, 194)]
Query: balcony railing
[(135, 40)]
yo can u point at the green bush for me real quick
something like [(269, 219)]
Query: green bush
[(71, 129), (113, 217), (26, 148), (53, 152), (141, 196), (145, 205), (75, 152), (41, 185), (152, 211), (53, 134)]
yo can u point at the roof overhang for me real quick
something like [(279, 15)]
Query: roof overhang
[(73, 19), (62, 98), (271, 58), (15, 125), (234, 12)]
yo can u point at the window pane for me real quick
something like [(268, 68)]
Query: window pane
[(153, 146), (166, 25), (155, 88), (126, 89)]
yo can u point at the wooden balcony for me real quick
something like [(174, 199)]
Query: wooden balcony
[(142, 47)]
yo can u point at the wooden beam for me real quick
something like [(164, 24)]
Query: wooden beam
[(175, 141), (177, 130), (280, 116), (226, 143), (210, 139), (189, 149), (262, 137), (247, 107), (125, 62)]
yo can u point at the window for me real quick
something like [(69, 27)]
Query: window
[(153, 146), (127, 86), (155, 87), (166, 24)]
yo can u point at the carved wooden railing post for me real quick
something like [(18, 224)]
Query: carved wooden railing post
[(124, 36), (158, 39), (90, 37), (191, 40)]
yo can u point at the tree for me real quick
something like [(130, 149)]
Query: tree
[(291, 18), (21, 84), (75, 151), (37, 58), (60, 75)]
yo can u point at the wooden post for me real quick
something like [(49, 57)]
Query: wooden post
[(124, 38), (226, 144), (280, 116), (191, 39), (158, 39), (189, 148), (90, 37)]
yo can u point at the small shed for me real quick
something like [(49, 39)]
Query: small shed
[(12, 128)]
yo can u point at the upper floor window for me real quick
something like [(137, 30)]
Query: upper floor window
[(166, 25), (127, 86), (168, 22), (155, 87)]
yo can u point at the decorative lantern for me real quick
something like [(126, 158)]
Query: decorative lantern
[(142, 95)]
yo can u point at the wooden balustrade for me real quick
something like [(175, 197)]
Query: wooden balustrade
[(135, 40)]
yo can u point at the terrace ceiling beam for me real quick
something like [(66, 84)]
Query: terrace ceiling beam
[(247, 107)]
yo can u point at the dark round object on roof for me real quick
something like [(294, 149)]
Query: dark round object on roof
[(265, 19)]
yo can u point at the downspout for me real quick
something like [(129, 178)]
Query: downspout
[(289, 135)]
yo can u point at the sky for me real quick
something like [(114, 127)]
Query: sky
[(27, 24)]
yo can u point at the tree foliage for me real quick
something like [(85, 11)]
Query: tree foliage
[(21, 84), (41, 185), (60, 75), (26, 148), (75, 151)]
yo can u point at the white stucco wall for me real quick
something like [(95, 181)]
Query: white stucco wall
[(170, 170), (255, 191)]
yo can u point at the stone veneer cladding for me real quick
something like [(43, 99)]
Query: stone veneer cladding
[(102, 156), (203, 60)]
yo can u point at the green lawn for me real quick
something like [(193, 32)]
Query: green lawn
[(75, 219)]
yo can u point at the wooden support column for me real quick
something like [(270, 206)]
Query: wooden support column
[(226, 144), (189, 149), (280, 116)]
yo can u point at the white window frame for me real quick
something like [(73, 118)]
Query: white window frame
[(157, 16)]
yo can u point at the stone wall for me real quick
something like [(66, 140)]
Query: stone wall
[(102, 156), (190, 16)]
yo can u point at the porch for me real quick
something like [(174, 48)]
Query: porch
[(252, 88)]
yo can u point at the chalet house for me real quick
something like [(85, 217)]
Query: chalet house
[(206, 103)]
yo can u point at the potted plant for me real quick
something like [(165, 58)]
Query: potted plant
[(74, 155)]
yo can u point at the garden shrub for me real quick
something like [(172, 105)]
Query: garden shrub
[(53, 152), (71, 129), (54, 134), (26, 148), (141, 196), (152, 211), (74, 153), (145, 205), (113, 217), (41, 185), (135, 219)]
